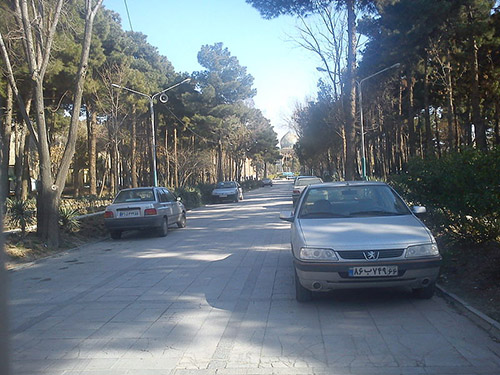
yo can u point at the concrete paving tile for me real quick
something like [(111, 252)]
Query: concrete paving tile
[(47, 349), (159, 364), (33, 366), (153, 348), (423, 350), (288, 350), (122, 330)]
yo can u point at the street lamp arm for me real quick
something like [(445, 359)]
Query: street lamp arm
[(379, 72), (133, 91), (361, 120), (171, 87)]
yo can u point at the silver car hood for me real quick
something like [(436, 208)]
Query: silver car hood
[(364, 233)]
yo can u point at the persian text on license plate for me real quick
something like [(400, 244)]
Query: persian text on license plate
[(373, 271), (128, 213)]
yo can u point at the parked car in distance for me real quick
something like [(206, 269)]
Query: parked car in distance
[(360, 235), (300, 183), (267, 182), (227, 191), (144, 208)]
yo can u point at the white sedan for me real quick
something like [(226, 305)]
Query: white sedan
[(227, 191), (144, 208), (360, 235)]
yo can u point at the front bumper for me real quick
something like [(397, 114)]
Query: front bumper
[(415, 273), (225, 197)]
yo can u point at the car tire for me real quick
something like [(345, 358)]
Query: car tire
[(182, 222), (115, 234), (301, 294), (236, 199), (163, 230), (426, 292)]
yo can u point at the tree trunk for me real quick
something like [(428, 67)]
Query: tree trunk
[(92, 149), (477, 120), (4, 323), (449, 104), (350, 107), (429, 145), (26, 175), (411, 114), (497, 121), (5, 139), (220, 174), (20, 138), (176, 161), (133, 148)]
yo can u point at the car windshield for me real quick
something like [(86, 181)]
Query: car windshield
[(308, 181), (226, 185), (139, 195), (351, 201)]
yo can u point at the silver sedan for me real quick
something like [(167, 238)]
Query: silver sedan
[(144, 208), (360, 235)]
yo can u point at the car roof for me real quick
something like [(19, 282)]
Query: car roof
[(348, 183)]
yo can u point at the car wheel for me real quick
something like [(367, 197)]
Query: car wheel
[(236, 198), (301, 294), (426, 292), (163, 230), (116, 234), (182, 222)]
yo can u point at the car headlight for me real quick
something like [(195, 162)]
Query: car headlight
[(318, 254), (422, 251)]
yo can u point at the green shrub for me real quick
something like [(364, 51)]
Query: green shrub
[(461, 191), (68, 219), (21, 213), (206, 192), (191, 196), (250, 184)]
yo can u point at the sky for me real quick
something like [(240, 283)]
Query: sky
[(284, 73)]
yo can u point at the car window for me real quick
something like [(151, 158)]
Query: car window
[(163, 195), (135, 196), (308, 181), (352, 201), (170, 197), (226, 185)]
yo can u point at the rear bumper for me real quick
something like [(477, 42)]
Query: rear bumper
[(132, 223), (413, 273)]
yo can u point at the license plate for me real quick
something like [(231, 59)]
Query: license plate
[(128, 213), (222, 195), (373, 271)]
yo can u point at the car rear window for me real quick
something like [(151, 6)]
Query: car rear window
[(140, 195), (308, 181)]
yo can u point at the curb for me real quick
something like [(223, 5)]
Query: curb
[(491, 326)]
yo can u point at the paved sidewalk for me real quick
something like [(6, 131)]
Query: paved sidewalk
[(217, 297)]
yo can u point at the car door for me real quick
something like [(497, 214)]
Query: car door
[(165, 206), (176, 209)]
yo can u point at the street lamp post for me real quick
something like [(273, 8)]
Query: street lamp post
[(152, 112), (360, 93)]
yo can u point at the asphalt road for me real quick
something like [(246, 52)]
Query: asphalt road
[(217, 297)]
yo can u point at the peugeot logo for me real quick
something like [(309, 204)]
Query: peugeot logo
[(371, 255)]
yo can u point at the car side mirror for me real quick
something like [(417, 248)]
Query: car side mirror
[(418, 210), (178, 199), (287, 216)]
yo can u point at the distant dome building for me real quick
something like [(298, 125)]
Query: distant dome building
[(288, 140), (287, 162)]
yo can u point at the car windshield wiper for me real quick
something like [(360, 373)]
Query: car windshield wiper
[(376, 213), (315, 215)]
